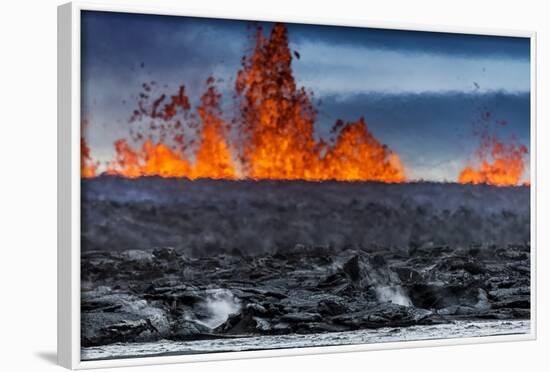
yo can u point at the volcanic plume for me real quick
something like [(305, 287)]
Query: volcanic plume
[(498, 163), (271, 136)]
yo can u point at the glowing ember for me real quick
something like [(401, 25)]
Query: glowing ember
[(153, 160), (357, 155), (213, 159), (272, 137), (87, 167), (500, 164), (277, 119), (277, 126)]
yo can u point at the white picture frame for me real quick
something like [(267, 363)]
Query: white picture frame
[(69, 189)]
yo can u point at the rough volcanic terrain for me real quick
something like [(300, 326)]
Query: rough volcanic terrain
[(189, 260)]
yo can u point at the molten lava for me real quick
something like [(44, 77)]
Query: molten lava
[(505, 168), (357, 155), (154, 159), (213, 159), (277, 119), (499, 164), (87, 167), (272, 136)]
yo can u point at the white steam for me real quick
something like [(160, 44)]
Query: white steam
[(394, 294), (220, 304)]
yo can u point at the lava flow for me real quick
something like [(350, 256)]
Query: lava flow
[(271, 137), (87, 167), (499, 164)]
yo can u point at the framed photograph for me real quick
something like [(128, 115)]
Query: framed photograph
[(236, 186)]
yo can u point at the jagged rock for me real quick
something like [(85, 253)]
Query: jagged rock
[(165, 253), (428, 249), (301, 317), (370, 270), (135, 296), (407, 275), (256, 309), (262, 325), (101, 328), (110, 316), (332, 307), (384, 315), (507, 293), (244, 323), (187, 329), (356, 269), (137, 255), (517, 302), (438, 295)]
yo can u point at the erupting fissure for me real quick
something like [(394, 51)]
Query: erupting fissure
[(272, 136), (499, 164), (87, 167)]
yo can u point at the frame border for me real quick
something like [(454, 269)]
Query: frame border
[(68, 189)]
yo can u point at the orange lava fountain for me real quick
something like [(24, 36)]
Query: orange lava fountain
[(88, 168), (500, 164), (213, 159), (271, 138), (278, 122)]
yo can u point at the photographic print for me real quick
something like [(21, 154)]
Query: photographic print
[(260, 185)]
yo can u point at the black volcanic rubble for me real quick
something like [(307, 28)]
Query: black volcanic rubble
[(138, 295), (370, 255)]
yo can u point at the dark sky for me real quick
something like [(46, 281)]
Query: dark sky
[(420, 92)]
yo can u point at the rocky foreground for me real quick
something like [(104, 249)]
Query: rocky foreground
[(138, 296), (188, 260)]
